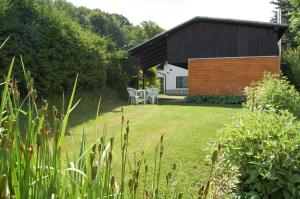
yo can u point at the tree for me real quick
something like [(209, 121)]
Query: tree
[(295, 18), (52, 43), (55, 37), (287, 8), (151, 29), (144, 31)]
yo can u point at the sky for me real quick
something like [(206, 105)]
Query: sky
[(169, 13)]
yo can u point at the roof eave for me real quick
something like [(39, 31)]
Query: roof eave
[(205, 19)]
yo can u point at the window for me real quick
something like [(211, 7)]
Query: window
[(182, 82)]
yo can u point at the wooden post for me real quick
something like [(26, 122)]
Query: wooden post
[(137, 77), (143, 80)]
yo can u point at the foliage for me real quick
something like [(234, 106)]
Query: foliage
[(120, 72), (144, 31), (295, 18), (54, 47), (223, 181), (291, 65), (149, 77), (123, 34), (56, 37), (289, 37), (114, 26), (30, 153), (215, 99), (263, 146), (273, 92)]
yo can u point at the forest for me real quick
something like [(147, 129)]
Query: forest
[(58, 40)]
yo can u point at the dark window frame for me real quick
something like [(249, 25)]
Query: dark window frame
[(180, 83)]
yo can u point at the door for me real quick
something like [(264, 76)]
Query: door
[(161, 85)]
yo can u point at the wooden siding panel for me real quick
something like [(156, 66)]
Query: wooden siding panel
[(228, 76), (213, 39)]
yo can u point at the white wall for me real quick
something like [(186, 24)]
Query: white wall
[(171, 73)]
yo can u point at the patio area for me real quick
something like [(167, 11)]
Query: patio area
[(143, 96), (151, 96)]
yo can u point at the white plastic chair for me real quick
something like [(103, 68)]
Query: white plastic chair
[(149, 94), (156, 93), (153, 94), (133, 97)]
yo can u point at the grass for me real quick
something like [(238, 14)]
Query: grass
[(31, 149), (187, 129)]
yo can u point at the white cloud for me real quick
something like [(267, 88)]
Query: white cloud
[(169, 13)]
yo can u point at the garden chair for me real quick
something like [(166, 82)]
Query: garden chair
[(153, 94), (156, 93), (149, 93), (133, 97)]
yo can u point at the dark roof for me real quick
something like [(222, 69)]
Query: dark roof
[(163, 35)]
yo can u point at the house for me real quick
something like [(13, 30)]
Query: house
[(173, 79), (222, 55)]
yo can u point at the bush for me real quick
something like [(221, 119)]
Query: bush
[(55, 47), (215, 99), (263, 147), (273, 92), (291, 65), (148, 78)]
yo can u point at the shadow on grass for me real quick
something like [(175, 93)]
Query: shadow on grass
[(179, 101), (87, 108)]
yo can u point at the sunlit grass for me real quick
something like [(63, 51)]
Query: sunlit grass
[(187, 130)]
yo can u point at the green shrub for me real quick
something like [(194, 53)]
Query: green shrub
[(263, 148), (148, 78), (215, 99), (291, 65), (55, 47), (273, 92)]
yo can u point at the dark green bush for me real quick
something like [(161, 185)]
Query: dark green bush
[(291, 65), (273, 92), (215, 99), (54, 47), (263, 147)]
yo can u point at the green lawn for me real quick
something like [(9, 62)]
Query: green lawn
[(188, 130)]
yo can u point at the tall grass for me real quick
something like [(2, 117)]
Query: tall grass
[(30, 154)]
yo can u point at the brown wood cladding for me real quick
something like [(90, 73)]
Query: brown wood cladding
[(228, 76)]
